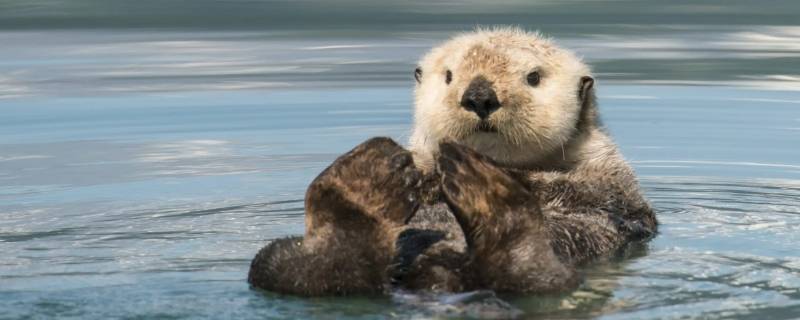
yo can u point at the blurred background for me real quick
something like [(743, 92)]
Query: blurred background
[(149, 148)]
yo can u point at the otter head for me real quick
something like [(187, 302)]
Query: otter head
[(509, 94)]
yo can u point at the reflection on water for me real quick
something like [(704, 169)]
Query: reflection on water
[(124, 62), (147, 152)]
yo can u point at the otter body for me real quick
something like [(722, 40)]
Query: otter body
[(509, 184)]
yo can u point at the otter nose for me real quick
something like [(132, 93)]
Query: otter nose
[(480, 98)]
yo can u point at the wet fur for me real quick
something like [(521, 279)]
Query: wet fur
[(452, 214), (482, 226), (354, 211)]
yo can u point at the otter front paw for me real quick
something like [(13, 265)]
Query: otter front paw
[(487, 202), (503, 225), (376, 182)]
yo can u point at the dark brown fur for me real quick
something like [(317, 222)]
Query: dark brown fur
[(354, 211), (480, 226)]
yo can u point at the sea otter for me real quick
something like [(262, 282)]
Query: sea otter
[(509, 184)]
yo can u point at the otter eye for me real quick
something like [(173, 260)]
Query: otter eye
[(534, 78), (418, 74), (448, 76)]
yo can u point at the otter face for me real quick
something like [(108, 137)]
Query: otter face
[(506, 93)]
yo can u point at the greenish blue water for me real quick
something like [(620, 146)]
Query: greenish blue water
[(149, 149)]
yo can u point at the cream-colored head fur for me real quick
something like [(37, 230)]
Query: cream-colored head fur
[(533, 121)]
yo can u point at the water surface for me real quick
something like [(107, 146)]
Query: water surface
[(147, 152)]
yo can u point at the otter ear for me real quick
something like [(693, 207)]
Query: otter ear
[(584, 87), (588, 116), (418, 74)]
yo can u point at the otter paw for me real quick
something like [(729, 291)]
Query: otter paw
[(481, 195), (377, 179)]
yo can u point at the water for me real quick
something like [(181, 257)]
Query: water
[(148, 151)]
